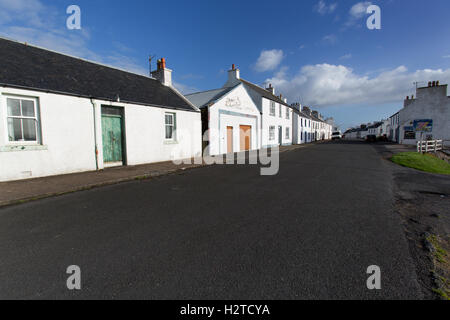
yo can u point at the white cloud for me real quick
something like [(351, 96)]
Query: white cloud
[(38, 24), (346, 56), (446, 57), (269, 60), (322, 8), (330, 39), (357, 12), (332, 85)]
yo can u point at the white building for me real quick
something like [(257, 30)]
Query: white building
[(301, 125), (276, 115), (375, 129), (243, 116), (231, 119), (429, 110), (394, 129), (62, 115)]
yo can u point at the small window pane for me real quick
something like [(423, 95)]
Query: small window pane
[(169, 132), (28, 108), (13, 107), (14, 129), (169, 119), (29, 129)]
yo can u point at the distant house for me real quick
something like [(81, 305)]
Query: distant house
[(393, 128), (243, 116), (62, 114), (301, 125), (427, 116), (376, 129), (231, 119)]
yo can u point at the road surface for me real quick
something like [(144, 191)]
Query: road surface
[(220, 232)]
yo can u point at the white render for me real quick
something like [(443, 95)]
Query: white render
[(68, 141), (234, 109), (301, 128), (430, 103), (278, 121)]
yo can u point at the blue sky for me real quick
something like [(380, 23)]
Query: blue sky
[(317, 52)]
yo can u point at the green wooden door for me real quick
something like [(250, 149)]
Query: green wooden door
[(112, 138)]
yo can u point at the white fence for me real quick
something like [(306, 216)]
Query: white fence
[(429, 146)]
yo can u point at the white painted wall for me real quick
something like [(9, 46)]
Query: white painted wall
[(301, 125), (430, 103), (234, 109), (277, 121), (68, 139)]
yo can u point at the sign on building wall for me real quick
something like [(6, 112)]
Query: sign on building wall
[(423, 125)]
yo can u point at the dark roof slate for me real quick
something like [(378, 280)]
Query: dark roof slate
[(31, 67), (263, 92)]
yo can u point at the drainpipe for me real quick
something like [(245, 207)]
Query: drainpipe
[(95, 133)]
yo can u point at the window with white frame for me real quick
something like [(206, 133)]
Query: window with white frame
[(272, 133), (170, 126), (288, 114), (22, 120), (288, 134), (272, 108)]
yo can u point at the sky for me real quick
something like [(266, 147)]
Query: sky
[(316, 52)]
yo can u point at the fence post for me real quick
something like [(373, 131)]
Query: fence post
[(435, 146)]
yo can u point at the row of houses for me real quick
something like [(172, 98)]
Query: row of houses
[(61, 114), (423, 117), (243, 116)]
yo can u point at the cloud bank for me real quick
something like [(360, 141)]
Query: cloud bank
[(324, 85)]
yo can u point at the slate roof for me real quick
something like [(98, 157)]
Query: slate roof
[(376, 125), (263, 92), (301, 113), (30, 67), (204, 98)]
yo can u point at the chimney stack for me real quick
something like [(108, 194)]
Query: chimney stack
[(163, 74), (234, 77), (271, 89)]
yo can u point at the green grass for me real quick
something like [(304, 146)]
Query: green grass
[(423, 162)]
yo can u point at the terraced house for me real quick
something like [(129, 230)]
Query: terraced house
[(243, 116), (60, 114)]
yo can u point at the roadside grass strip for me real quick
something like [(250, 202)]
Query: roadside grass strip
[(422, 162)]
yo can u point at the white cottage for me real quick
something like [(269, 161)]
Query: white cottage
[(301, 125), (243, 116), (60, 114), (231, 120), (427, 116), (276, 114)]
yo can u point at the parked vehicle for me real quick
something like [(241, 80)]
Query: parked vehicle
[(336, 135), (371, 138)]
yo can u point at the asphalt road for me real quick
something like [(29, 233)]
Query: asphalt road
[(221, 232)]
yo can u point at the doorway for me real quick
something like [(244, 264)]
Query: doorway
[(230, 147), (113, 136), (246, 138), (280, 135)]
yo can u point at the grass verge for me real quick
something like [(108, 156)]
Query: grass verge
[(422, 162)]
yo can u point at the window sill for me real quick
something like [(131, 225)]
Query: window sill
[(15, 148), (169, 142)]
